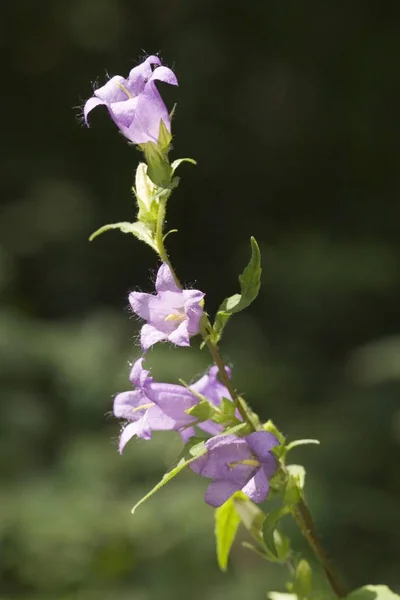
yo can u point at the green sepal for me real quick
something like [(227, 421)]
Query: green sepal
[(303, 580), (158, 168), (270, 525), (203, 410), (249, 281), (164, 137), (294, 485), (227, 522), (196, 450), (141, 231), (175, 164)]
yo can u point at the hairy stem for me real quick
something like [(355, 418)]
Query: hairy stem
[(304, 520)]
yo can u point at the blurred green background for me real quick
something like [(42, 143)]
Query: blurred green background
[(291, 109)]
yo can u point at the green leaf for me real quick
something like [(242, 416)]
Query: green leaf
[(303, 580), (175, 164), (167, 477), (139, 230), (294, 485), (373, 592), (226, 524), (270, 525), (228, 407), (300, 443), (249, 282)]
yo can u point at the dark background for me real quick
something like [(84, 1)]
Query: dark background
[(291, 110)]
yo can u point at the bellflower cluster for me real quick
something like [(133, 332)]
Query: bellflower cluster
[(224, 440)]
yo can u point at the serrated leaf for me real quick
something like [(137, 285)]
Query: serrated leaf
[(176, 163), (303, 580), (373, 592), (139, 230), (167, 477), (249, 282), (226, 524)]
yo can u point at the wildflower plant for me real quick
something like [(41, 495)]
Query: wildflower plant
[(244, 460)]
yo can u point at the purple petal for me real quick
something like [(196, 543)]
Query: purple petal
[(138, 428), (164, 74), (139, 75), (159, 421), (123, 112), (257, 487), (126, 402), (186, 433), (150, 111), (224, 459), (139, 376), (210, 386), (173, 400), (140, 304), (112, 91), (149, 336), (220, 491), (261, 442), (180, 335), (269, 465), (211, 427), (165, 281), (90, 105)]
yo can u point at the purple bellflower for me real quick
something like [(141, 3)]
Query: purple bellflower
[(171, 314), (235, 464), (135, 104), (154, 406)]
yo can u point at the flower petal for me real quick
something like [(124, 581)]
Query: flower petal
[(159, 421), (165, 281), (139, 302), (220, 491), (173, 400), (138, 428), (186, 433), (139, 376), (150, 111), (126, 402), (113, 91), (210, 386), (149, 336), (139, 75), (257, 487), (90, 105), (180, 335), (123, 112), (261, 442)]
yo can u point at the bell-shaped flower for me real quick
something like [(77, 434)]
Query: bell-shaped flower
[(154, 406), (172, 314), (235, 464), (135, 104)]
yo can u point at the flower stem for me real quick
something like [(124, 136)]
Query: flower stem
[(304, 520), (301, 512)]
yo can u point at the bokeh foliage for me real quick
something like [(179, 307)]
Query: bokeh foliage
[(290, 110)]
